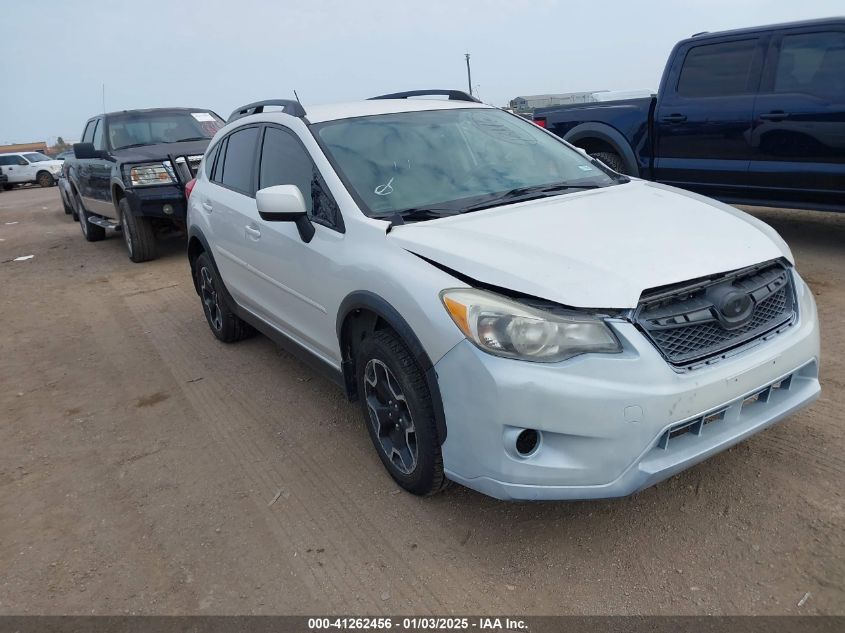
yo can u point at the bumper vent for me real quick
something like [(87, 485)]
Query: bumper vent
[(699, 321)]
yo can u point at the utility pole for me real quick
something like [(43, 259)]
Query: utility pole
[(469, 75)]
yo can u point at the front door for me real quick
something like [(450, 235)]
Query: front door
[(295, 280), (703, 117), (799, 119)]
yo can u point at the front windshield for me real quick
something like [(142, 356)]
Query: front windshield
[(447, 161), (35, 157), (150, 128)]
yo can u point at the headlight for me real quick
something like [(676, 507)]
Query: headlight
[(504, 327), (152, 174)]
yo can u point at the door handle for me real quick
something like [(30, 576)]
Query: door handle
[(675, 118), (775, 115), (207, 206), (252, 231)]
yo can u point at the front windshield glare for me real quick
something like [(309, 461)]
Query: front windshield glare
[(151, 128), (449, 160), (35, 157)]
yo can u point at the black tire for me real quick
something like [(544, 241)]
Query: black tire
[(45, 179), (8, 187), (68, 208), (138, 234), (224, 323), (90, 232), (412, 412), (612, 160)]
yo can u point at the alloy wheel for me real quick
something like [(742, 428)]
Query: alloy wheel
[(390, 416), (210, 299)]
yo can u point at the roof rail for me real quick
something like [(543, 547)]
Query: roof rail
[(293, 108), (454, 95), (700, 33)]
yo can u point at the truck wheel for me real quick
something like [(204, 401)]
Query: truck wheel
[(68, 208), (399, 413), (138, 234), (90, 232), (45, 179), (224, 323), (612, 160)]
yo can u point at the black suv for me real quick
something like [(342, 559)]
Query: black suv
[(130, 171)]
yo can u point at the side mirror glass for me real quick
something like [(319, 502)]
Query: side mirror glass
[(285, 203), (23, 162)]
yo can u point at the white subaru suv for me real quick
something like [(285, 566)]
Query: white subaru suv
[(512, 314)]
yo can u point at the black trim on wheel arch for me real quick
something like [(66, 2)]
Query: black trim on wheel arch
[(366, 300), (609, 135), (282, 340)]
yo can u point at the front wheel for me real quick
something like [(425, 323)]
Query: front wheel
[(45, 179), (399, 413), (138, 234)]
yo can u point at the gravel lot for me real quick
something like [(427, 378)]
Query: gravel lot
[(139, 461)]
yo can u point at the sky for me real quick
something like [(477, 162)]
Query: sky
[(56, 55)]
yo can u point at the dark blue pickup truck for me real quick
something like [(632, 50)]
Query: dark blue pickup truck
[(752, 116)]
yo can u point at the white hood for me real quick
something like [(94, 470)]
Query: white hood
[(599, 248)]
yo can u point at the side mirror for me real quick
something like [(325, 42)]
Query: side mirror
[(22, 162), (284, 203), (86, 150)]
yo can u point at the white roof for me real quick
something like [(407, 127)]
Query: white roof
[(331, 112)]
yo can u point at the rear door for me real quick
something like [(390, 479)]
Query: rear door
[(229, 206), (703, 119), (799, 118)]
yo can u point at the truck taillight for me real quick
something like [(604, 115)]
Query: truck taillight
[(541, 122), (189, 187)]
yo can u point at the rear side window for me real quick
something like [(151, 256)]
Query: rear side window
[(238, 160), (284, 161), (210, 158), (812, 63), (716, 70)]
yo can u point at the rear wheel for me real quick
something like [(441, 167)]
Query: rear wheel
[(45, 179), (90, 232), (612, 160), (138, 234), (224, 323), (399, 413)]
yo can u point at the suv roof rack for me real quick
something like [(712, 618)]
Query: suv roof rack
[(454, 95), (293, 108)]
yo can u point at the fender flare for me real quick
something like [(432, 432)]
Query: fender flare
[(609, 135), (116, 182), (366, 300)]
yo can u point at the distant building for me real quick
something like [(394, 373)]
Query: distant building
[(24, 147), (529, 103)]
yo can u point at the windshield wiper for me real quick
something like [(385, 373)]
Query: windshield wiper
[(130, 146), (190, 138), (523, 194)]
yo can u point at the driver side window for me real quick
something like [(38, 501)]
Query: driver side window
[(284, 161)]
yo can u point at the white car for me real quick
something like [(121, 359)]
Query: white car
[(25, 167), (512, 314)]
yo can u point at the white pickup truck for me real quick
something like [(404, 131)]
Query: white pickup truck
[(24, 167)]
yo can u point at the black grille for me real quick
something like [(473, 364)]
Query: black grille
[(686, 324)]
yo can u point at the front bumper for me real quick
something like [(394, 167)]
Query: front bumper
[(604, 419), (153, 201)]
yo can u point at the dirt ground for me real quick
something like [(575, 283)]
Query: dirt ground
[(139, 461)]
